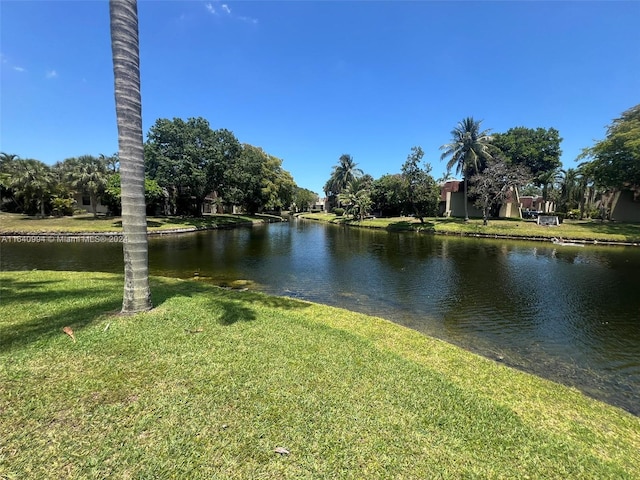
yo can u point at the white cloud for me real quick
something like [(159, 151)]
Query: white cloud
[(215, 8), (51, 74), (249, 20), (19, 69)]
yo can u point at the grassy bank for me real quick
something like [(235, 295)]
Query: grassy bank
[(212, 381), (24, 224), (581, 230)]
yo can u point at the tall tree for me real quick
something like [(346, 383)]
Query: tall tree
[(537, 149), (468, 147), (303, 199), (388, 194), (126, 71), (277, 186), (496, 183), (32, 183), (616, 159), (422, 192), (6, 165), (549, 180), (356, 198), (86, 175), (344, 172), (191, 160), (571, 191)]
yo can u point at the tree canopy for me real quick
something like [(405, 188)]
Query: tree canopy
[(344, 172), (389, 196), (615, 161), (536, 149), (189, 159), (495, 183), (421, 191), (86, 175)]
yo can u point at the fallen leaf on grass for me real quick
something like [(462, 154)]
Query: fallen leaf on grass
[(197, 330), (281, 451), (69, 332)]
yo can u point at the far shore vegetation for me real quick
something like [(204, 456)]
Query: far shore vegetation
[(87, 223), (583, 230), (221, 383)]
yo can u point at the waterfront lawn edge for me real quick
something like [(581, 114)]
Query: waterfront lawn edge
[(213, 383)]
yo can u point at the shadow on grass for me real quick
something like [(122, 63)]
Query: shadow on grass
[(402, 226), (88, 305), (236, 305), (630, 231), (91, 218)]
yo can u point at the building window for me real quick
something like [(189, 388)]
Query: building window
[(86, 200)]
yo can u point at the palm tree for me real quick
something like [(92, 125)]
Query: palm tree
[(356, 196), (548, 179), (126, 69), (571, 191), (343, 173), (469, 145), (7, 158), (32, 181), (588, 190), (6, 164), (86, 175)]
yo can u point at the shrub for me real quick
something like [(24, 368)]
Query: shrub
[(62, 206), (573, 214), (338, 211)]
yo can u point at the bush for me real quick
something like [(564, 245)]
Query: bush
[(338, 211), (574, 214), (61, 206)]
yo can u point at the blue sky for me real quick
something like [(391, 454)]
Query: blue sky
[(309, 81)]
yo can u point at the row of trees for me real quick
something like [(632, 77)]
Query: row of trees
[(589, 189), (413, 191), (32, 187), (185, 162), (191, 161), (493, 165)]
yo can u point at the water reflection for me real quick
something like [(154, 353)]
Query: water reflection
[(566, 313)]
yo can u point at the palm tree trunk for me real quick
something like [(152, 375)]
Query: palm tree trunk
[(126, 70)]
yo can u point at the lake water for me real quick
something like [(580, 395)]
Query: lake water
[(566, 313)]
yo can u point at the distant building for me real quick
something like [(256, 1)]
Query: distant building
[(535, 203), (320, 205), (625, 206), (452, 202), (83, 202)]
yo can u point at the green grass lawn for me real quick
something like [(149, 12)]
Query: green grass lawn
[(587, 230), (212, 381), (16, 223)]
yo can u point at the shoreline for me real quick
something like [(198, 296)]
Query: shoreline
[(497, 236), (117, 235), (593, 242), (53, 235)]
